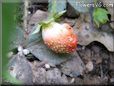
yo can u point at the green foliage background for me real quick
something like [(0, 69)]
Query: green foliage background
[(8, 25)]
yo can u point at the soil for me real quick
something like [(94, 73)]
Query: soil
[(102, 60)]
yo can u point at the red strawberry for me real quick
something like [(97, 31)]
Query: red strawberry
[(60, 37)]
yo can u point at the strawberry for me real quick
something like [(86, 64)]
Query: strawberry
[(59, 37)]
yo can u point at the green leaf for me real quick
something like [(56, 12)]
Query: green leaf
[(36, 29), (52, 6), (58, 15), (43, 53), (55, 17), (56, 6), (100, 16), (34, 38)]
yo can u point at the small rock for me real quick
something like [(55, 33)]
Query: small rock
[(112, 80), (26, 51), (89, 66), (47, 66), (83, 48), (29, 12), (20, 48), (72, 80)]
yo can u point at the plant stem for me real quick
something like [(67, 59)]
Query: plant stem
[(26, 4)]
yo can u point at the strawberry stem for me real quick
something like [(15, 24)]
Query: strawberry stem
[(52, 8), (53, 16)]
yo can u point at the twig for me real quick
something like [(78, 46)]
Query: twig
[(25, 15), (26, 33)]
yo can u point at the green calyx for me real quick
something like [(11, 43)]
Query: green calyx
[(53, 17), (46, 23)]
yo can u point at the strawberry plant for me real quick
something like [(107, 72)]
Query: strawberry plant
[(60, 38)]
